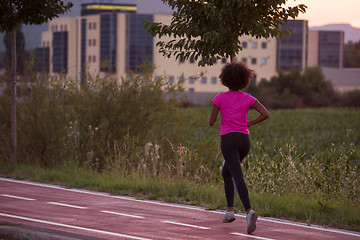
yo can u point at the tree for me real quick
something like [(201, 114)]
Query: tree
[(20, 51), (296, 89), (352, 55), (210, 29), (12, 14)]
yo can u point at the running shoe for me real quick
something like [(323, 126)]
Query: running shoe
[(251, 218), (229, 217)]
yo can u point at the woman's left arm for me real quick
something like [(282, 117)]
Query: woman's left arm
[(264, 114), (214, 113)]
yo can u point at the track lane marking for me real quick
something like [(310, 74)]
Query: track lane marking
[(122, 214), (17, 197), (66, 205), (72, 227), (302, 225), (186, 225), (251, 236)]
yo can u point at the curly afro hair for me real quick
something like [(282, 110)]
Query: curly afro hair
[(236, 76)]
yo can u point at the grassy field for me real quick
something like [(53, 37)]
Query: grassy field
[(303, 165)]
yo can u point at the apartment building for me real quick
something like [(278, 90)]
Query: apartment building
[(292, 50), (109, 39), (326, 49), (259, 54)]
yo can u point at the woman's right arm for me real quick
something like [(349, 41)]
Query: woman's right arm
[(214, 113), (264, 114)]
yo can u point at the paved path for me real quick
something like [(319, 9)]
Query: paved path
[(100, 215)]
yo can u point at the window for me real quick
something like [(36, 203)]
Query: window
[(181, 80), (171, 80), (244, 60), (191, 80), (90, 24), (94, 25), (181, 59), (61, 27), (94, 42), (253, 61), (213, 80), (203, 80), (90, 41), (215, 60), (89, 58), (264, 45), (65, 28), (157, 78), (254, 45), (191, 90), (244, 44), (192, 60), (94, 58), (263, 61), (223, 60)]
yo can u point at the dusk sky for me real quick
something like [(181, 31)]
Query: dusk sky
[(322, 12), (319, 12)]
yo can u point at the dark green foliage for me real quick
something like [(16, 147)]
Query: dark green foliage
[(351, 98), (296, 89), (92, 126), (210, 29), (352, 55), (15, 12)]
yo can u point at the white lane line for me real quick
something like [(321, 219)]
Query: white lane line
[(302, 225), (251, 236), (17, 197), (122, 214), (71, 226), (66, 205), (186, 225)]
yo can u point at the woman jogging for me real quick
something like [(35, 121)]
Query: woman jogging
[(235, 144)]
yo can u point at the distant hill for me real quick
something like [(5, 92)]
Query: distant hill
[(351, 33)]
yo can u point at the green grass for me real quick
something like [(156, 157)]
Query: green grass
[(304, 165)]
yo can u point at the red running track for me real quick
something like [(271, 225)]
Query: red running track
[(114, 217)]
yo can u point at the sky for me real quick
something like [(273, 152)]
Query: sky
[(319, 12), (322, 12)]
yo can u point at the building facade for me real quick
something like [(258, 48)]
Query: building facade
[(326, 49), (109, 39), (292, 50), (113, 42)]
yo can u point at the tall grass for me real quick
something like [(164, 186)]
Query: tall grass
[(311, 152)]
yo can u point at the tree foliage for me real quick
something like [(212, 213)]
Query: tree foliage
[(296, 89), (210, 29), (352, 55), (15, 12)]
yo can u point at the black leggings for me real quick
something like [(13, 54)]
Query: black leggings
[(234, 147)]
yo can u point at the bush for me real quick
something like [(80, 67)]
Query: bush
[(94, 126), (295, 89), (351, 98)]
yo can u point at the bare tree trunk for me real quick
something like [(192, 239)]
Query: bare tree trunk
[(13, 136)]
